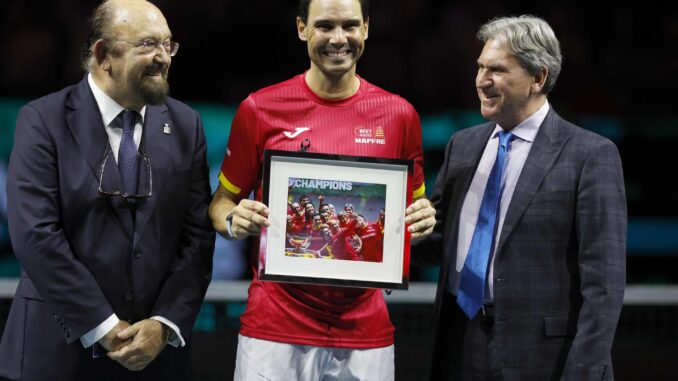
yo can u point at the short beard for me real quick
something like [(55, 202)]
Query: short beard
[(153, 94)]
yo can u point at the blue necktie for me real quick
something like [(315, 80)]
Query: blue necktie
[(471, 291), (128, 155)]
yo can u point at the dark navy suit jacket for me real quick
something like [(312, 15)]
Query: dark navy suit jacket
[(86, 256), (559, 271)]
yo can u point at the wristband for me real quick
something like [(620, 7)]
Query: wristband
[(229, 222)]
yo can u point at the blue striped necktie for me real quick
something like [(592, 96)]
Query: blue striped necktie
[(471, 291), (128, 155)]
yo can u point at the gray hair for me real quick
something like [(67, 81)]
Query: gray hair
[(98, 25), (532, 42)]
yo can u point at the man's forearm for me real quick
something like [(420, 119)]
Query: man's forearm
[(220, 207)]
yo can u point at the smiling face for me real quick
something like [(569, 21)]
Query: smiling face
[(335, 34), (508, 93), (317, 221), (137, 77)]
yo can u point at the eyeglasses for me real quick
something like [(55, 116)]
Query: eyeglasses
[(151, 45), (145, 187)]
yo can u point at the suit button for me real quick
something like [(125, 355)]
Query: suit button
[(129, 296), (137, 254)]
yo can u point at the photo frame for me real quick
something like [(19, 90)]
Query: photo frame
[(352, 234)]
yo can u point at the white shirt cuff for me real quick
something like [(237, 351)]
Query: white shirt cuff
[(175, 340), (99, 331)]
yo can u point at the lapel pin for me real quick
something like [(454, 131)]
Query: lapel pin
[(166, 129)]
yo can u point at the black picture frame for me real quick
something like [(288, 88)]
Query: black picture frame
[(356, 250)]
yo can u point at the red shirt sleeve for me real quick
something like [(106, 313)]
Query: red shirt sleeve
[(241, 166), (413, 151)]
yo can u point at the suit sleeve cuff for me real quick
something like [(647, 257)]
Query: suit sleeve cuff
[(99, 331), (175, 338)]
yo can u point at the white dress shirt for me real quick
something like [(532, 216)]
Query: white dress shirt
[(520, 146), (109, 112)]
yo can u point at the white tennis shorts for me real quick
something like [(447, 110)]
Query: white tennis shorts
[(259, 360)]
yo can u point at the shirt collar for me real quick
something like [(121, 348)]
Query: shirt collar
[(527, 129), (109, 108)]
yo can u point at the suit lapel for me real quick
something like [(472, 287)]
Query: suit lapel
[(155, 146), (545, 150), (468, 154), (85, 123), (474, 148)]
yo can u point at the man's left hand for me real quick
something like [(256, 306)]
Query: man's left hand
[(421, 216), (148, 339)]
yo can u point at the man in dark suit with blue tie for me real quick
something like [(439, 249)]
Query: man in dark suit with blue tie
[(531, 227), (108, 193)]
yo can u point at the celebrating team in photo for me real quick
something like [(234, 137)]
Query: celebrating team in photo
[(355, 232)]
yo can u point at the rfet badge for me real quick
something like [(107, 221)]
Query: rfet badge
[(369, 135)]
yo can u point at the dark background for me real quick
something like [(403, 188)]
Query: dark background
[(618, 79)]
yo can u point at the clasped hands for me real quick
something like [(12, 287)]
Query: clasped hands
[(135, 346)]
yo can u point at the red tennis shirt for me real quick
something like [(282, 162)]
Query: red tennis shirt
[(372, 122)]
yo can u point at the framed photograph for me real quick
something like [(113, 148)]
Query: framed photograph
[(336, 220)]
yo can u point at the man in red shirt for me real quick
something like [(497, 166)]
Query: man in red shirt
[(306, 332), (372, 240)]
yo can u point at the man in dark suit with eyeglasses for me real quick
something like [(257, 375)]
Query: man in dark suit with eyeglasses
[(108, 193)]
